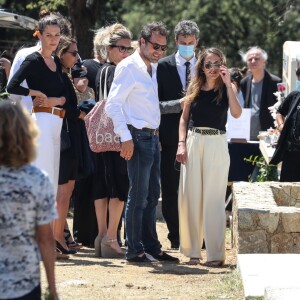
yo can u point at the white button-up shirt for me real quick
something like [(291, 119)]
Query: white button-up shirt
[(133, 97), (181, 68)]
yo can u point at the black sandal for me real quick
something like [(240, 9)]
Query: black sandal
[(72, 244)]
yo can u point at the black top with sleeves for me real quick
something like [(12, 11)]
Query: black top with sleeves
[(284, 109), (206, 112), (38, 77), (92, 69), (287, 109), (110, 77), (72, 111)]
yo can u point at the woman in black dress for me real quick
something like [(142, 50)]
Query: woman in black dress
[(112, 189), (68, 53)]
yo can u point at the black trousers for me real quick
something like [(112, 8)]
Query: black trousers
[(35, 294), (169, 189), (290, 170)]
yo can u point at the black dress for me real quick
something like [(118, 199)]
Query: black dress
[(112, 177), (69, 159)]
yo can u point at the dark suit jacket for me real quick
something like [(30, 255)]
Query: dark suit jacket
[(267, 97), (169, 88)]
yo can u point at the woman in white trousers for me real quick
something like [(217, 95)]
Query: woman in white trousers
[(203, 153), (42, 72)]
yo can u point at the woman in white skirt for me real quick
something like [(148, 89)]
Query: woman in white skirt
[(203, 153), (43, 74)]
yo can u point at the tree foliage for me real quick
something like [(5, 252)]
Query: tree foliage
[(232, 25)]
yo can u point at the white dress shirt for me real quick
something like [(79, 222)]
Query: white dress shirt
[(133, 97), (181, 68), (18, 60)]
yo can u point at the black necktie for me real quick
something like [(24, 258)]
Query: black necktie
[(187, 74)]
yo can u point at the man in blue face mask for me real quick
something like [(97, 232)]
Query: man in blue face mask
[(174, 73)]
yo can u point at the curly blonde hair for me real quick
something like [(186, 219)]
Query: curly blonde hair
[(18, 133), (99, 48), (199, 79)]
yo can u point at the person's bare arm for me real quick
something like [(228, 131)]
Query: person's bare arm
[(280, 121), (181, 155), (46, 245)]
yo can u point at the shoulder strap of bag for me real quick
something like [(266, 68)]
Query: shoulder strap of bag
[(103, 95)]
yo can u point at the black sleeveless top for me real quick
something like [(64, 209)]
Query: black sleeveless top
[(206, 112)]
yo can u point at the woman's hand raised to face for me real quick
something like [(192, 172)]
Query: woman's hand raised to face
[(224, 73)]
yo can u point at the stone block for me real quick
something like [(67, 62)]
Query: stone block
[(297, 243), (295, 192), (269, 222), (291, 221), (245, 221), (252, 242), (282, 197), (282, 243)]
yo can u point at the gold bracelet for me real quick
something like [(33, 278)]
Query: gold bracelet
[(181, 142)]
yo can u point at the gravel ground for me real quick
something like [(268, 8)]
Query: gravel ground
[(84, 276)]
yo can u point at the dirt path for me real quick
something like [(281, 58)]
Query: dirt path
[(85, 277)]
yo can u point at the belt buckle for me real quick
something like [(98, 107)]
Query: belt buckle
[(155, 131)]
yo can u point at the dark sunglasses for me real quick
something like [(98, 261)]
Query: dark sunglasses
[(74, 53), (123, 49), (157, 46), (210, 65)]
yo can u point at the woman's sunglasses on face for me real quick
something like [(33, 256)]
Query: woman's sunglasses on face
[(211, 65), (157, 46), (123, 49), (74, 53)]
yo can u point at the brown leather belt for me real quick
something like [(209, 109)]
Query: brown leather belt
[(50, 110)]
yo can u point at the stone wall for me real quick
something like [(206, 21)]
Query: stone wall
[(266, 217)]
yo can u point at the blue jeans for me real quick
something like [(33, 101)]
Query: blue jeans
[(144, 189)]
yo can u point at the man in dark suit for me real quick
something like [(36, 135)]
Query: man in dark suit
[(173, 76), (258, 89)]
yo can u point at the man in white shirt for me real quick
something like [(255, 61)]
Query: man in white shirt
[(173, 75), (133, 106)]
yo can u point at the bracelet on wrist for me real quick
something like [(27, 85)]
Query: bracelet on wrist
[(181, 142)]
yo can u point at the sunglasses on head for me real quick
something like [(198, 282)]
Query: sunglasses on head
[(157, 46), (123, 49), (210, 65), (74, 53)]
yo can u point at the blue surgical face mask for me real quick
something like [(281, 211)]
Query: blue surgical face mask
[(298, 85), (186, 51)]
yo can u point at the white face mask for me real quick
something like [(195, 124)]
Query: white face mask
[(298, 85)]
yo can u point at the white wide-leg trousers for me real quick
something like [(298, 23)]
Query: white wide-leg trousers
[(202, 191)]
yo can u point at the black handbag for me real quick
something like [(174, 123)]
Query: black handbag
[(65, 141)]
